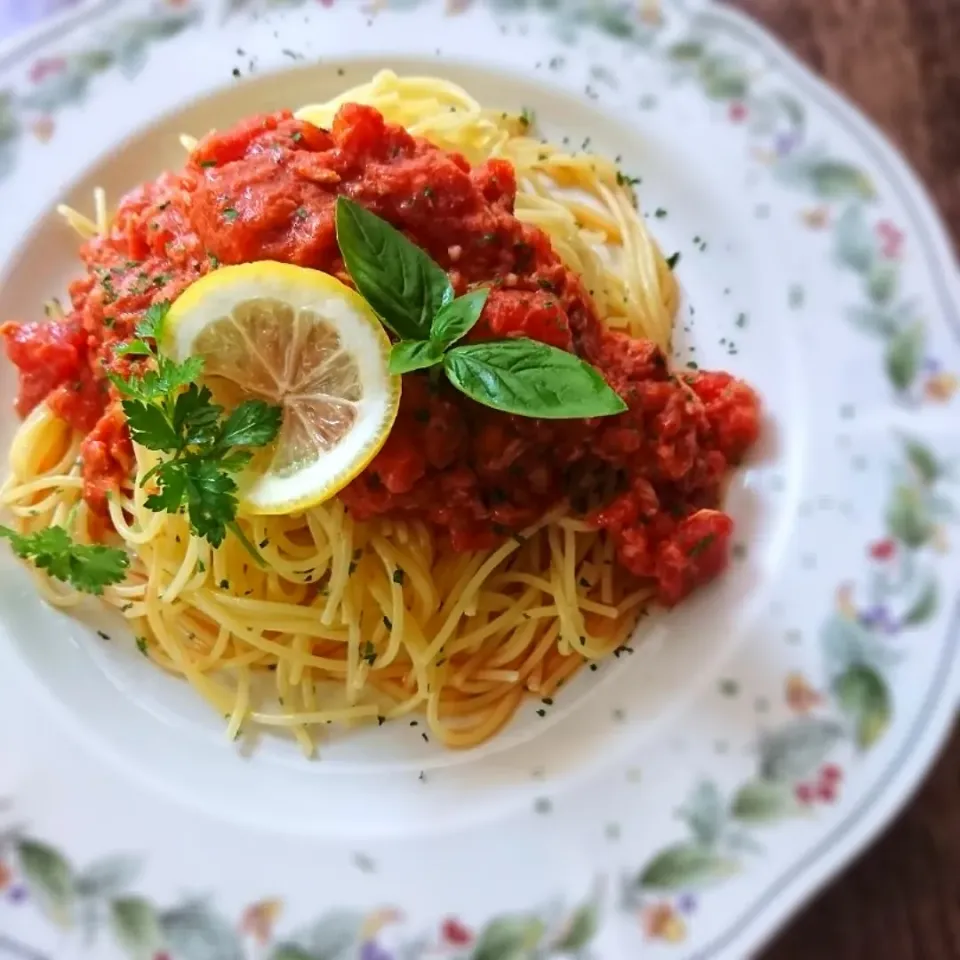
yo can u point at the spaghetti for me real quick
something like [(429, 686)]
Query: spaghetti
[(356, 617)]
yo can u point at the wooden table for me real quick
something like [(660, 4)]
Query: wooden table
[(899, 61)]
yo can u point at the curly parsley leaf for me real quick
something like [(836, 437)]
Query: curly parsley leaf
[(87, 567), (134, 348), (236, 460), (172, 376), (171, 483), (150, 427), (196, 418), (158, 384), (252, 424), (154, 320), (150, 327), (211, 497)]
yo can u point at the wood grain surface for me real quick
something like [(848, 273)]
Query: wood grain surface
[(899, 61)]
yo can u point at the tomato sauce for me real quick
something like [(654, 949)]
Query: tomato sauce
[(266, 189)]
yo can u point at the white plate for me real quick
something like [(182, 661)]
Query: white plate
[(685, 798)]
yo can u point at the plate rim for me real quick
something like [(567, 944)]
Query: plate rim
[(856, 832)]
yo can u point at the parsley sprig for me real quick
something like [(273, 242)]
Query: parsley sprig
[(87, 567), (169, 412)]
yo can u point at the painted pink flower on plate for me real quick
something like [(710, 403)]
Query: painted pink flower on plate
[(891, 239), (883, 549), (46, 67), (455, 933), (737, 111)]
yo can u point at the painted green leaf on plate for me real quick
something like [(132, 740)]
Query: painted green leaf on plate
[(335, 936), (509, 938), (9, 125), (726, 86), (58, 89), (722, 79), (924, 607), (903, 356), (845, 642), (796, 749), (836, 180), (136, 927), (580, 931), (49, 878), (793, 108), (95, 61), (685, 866), (922, 459), (615, 22), (878, 323), (855, 245), (864, 696), (290, 951), (162, 25), (704, 813), (194, 931), (685, 51), (762, 801), (882, 282), (908, 518), (107, 878)]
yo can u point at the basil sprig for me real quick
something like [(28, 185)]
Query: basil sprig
[(413, 298)]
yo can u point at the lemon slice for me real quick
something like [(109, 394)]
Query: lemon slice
[(301, 339)]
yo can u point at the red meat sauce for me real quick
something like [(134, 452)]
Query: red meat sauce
[(266, 189)]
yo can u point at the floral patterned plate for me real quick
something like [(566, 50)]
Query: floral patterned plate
[(686, 797)]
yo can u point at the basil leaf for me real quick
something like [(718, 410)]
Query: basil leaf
[(403, 285), (531, 379), (457, 318), (409, 355)]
